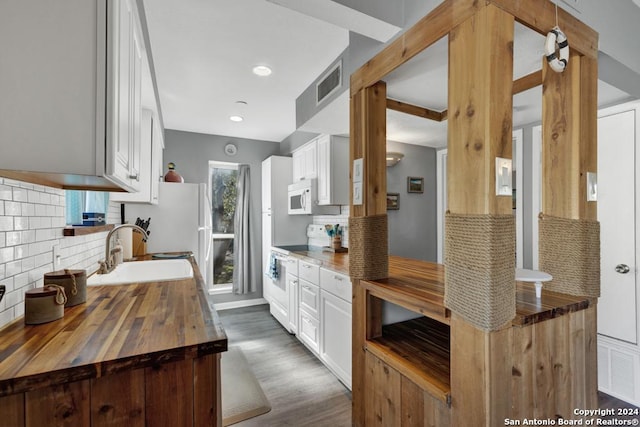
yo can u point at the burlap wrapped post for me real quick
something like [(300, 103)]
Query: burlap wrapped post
[(368, 247), (569, 250), (480, 263)]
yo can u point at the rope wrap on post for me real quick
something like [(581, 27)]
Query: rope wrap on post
[(480, 269), (569, 250), (368, 245)]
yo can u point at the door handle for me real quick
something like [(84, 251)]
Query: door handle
[(622, 268)]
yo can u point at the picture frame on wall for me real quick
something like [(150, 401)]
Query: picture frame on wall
[(415, 184), (393, 201)]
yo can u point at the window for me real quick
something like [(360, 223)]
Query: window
[(78, 201), (223, 179)]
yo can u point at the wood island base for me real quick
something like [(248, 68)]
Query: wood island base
[(182, 393)]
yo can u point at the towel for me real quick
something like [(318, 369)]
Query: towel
[(273, 272)]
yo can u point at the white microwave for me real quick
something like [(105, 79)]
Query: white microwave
[(302, 196), (303, 199)]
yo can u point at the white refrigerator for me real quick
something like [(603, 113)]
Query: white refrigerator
[(181, 221)]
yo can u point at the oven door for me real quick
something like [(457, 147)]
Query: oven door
[(279, 292)]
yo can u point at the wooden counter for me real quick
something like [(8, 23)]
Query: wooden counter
[(138, 340), (419, 286)]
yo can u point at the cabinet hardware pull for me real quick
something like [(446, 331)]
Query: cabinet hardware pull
[(306, 266), (136, 177), (306, 287), (622, 268), (339, 279)]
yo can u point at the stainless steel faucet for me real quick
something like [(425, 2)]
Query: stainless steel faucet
[(108, 265)]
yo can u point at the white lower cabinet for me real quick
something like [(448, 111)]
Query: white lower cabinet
[(309, 297), (335, 335), (324, 307), (309, 331)]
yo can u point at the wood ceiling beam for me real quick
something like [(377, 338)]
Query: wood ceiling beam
[(423, 34), (522, 84), (527, 82), (540, 16), (415, 110)]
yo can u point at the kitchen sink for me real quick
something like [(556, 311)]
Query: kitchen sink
[(144, 271)]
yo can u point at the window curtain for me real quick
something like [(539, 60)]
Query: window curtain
[(242, 283)]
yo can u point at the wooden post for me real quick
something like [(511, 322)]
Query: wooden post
[(480, 129), (569, 151), (368, 141)]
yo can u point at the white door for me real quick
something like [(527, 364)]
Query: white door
[(616, 213)]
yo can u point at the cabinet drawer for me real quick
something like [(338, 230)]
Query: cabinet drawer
[(292, 266), (309, 272), (336, 283), (309, 297), (309, 331)]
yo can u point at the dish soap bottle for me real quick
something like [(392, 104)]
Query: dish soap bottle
[(172, 175)]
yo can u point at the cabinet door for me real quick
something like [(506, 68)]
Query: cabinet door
[(126, 55), (335, 335), (324, 170), (298, 165), (293, 285), (266, 185), (137, 155), (123, 94), (309, 297), (157, 148), (145, 159), (310, 166), (309, 331)]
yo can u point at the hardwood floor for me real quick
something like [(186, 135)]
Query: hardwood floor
[(301, 390)]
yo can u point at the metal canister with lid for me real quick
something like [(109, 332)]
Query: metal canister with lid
[(42, 305), (74, 283)]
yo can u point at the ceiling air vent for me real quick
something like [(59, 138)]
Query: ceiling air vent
[(329, 83)]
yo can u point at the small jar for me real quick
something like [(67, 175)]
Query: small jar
[(42, 305), (172, 175)]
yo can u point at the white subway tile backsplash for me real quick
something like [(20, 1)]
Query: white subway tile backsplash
[(6, 223), (6, 192), (28, 209), (20, 194), (33, 196), (13, 238), (20, 223), (12, 208), (31, 221), (12, 268), (6, 255)]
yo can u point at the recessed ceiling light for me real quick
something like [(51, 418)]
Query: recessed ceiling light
[(261, 70), (236, 118)]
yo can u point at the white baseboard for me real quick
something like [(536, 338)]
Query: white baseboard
[(239, 304)]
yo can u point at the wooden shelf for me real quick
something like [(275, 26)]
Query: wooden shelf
[(82, 230), (420, 350)]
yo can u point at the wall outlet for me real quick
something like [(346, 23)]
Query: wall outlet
[(56, 255)]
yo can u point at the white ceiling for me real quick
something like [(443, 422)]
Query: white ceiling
[(204, 52)]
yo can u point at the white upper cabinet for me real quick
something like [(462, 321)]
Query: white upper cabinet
[(327, 159), (71, 82), (305, 162), (150, 169), (333, 170)]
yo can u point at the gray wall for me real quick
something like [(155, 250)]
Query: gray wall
[(413, 228), (360, 50), (191, 152)]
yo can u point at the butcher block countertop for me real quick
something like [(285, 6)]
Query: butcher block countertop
[(120, 327), (419, 285)]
